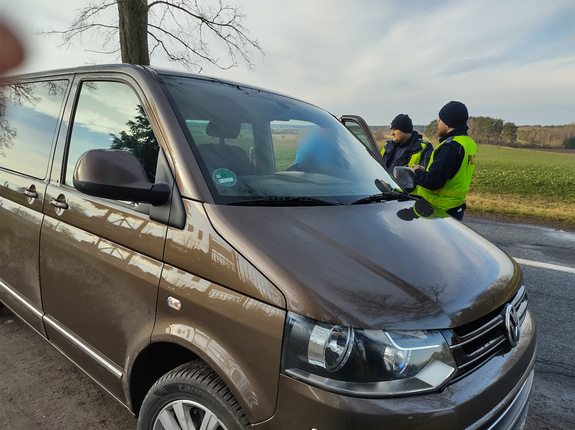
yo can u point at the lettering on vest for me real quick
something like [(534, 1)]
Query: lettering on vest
[(471, 160)]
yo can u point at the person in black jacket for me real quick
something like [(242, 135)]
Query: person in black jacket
[(445, 181), (407, 147)]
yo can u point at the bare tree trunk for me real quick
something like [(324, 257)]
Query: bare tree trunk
[(133, 23)]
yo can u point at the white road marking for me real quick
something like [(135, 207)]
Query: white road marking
[(546, 265)]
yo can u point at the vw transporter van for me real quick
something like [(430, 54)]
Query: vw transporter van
[(219, 256)]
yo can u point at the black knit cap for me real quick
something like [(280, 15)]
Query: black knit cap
[(454, 114), (402, 122)]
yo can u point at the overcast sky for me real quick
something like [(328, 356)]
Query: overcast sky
[(508, 59)]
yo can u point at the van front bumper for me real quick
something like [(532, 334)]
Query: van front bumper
[(493, 397)]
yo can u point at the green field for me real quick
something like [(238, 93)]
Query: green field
[(285, 150), (524, 172), (531, 185)]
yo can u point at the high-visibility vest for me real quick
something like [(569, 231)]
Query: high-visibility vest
[(415, 156), (453, 193)]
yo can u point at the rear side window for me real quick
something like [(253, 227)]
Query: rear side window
[(28, 119), (109, 115)]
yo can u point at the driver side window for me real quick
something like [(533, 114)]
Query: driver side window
[(356, 129), (288, 139), (109, 115)]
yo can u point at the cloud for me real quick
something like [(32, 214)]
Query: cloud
[(381, 57)]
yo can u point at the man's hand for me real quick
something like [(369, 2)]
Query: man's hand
[(417, 167)]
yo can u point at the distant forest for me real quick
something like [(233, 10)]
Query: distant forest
[(492, 131)]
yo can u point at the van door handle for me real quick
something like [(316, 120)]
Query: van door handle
[(30, 192), (60, 204)]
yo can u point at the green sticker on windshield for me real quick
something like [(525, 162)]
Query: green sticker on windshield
[(225, 177)]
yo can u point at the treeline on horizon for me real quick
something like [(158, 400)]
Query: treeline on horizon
[(492, 131)]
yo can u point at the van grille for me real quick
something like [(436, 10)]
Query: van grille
[(475, 343)]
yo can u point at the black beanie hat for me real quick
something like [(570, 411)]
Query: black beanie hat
[(402, 122), (454, 114)]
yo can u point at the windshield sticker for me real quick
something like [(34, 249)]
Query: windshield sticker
[(225, 177)]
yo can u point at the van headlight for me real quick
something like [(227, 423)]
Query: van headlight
[(367, 363)]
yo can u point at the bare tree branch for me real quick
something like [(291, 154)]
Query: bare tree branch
[(88, 24), (189, 32), (223, 23)]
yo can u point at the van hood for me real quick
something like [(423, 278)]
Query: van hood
[(375, 266)]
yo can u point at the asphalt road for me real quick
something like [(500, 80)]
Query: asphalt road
[(41, 389), (547, 259)]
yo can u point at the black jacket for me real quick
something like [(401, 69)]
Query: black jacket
[(399, 155), (447, 160)]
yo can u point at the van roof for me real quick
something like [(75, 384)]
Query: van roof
[(119, 67), (129, 69)]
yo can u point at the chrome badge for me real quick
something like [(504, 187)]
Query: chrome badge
[(512, 325)]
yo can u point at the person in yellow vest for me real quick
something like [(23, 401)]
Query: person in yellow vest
[(407, 147), (445, 181)]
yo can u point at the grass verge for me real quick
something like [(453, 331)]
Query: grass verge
[(531, 186), (523, 209)]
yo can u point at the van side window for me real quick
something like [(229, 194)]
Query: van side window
[(28, 119), (109, 115)]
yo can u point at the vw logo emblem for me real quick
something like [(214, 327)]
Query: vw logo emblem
[(512, 325)]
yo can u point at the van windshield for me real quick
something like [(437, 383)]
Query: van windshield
[(260, 148)]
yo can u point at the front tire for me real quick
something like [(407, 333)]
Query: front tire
[(191, 397)]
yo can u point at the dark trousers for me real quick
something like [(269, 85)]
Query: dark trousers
[(457, 212)]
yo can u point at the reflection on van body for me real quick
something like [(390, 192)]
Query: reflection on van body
[(215, 253), (199, 249)]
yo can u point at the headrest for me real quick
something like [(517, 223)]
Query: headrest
[(223, 129)]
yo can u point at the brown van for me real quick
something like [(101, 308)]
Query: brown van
[(219, 256)]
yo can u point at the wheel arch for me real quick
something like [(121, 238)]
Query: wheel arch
[(151, 364)]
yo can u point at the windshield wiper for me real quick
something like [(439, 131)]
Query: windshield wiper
[(383, 197), (285, 201)]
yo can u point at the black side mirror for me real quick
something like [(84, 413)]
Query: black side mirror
[(117, 175), (405, 178)]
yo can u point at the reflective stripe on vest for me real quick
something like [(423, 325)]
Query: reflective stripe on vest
[(453, 193), (416, 157)]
